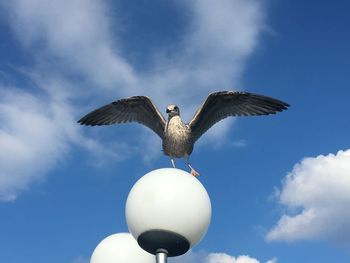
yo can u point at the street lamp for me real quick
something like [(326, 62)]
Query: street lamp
[(168, 211)]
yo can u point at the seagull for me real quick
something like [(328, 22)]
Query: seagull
[(177, 137)]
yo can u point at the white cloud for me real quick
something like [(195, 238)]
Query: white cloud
[(224, 258), (80, 38), (37, 129), (202, 257), (74, 33), (30, 141), (212, 54), (316, 194), (35, 133), (274, 260), (220, 130)]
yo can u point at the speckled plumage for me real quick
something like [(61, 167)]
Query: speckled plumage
[(177, 140)]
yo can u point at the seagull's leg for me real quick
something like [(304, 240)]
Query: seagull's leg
[(173, 162), (193, 171)]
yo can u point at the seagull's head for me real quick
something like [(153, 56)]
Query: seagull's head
[(172, 110)]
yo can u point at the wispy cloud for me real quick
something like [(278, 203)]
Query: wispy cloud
[(75, 35), (212, 55), (36, 132), (70, 41), (316, 194), (224, 258), (30, 141), (203, 257)]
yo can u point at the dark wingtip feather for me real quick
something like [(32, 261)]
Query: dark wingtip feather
[(284, 106), (81, 121), (86, 122)]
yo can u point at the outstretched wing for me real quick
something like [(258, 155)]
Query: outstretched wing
[(134, 109), (220, 105)]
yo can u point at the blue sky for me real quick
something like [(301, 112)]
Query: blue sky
[(279, 185)]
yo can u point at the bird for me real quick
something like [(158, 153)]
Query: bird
[(178, 138)]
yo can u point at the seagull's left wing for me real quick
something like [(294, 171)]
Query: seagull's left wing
[(220, 105), (134, 109)]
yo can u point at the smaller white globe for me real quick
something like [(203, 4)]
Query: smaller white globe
[(169, 200), (121, 248)]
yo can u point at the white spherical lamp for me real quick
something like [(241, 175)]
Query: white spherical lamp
[(168, 209), (121, 248)]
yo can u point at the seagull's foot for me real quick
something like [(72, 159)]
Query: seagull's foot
[(194, 172)]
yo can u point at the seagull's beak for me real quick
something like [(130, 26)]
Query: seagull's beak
[(167, 111)]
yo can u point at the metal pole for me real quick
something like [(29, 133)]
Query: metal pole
[(161, 256)]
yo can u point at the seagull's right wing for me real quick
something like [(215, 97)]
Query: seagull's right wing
[(134, 109)]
